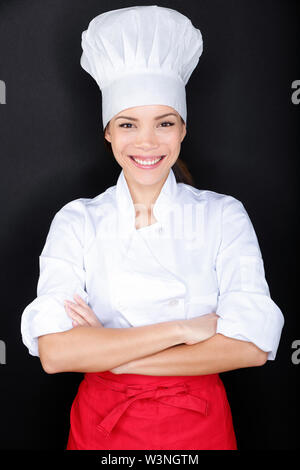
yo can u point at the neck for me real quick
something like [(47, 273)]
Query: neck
[(144, 196)]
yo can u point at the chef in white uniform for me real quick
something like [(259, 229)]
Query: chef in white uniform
[(201, 254), (133, 277), (211, 263)]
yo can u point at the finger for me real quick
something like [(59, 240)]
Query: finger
[(79, 300), (83, 311), (75, 316)]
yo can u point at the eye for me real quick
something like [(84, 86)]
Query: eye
[(129, 124), (125, 124), (168, 122)]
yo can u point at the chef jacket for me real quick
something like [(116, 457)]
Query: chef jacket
[(200, 256)]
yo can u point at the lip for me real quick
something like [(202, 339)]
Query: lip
[(150, 157), (146, 167)]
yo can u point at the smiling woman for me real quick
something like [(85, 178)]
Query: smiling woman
[(180, 168), (164, 305)]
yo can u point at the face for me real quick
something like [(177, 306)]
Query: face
[(140, 136)]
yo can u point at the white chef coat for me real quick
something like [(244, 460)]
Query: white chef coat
[(201, 256)]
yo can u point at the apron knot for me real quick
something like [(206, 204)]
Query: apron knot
[(179, 396)]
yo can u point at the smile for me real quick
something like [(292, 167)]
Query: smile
[(147, 163)]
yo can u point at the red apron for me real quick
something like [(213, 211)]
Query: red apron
[(132, 411)]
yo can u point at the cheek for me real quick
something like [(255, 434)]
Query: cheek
[(173, 140), (124, 142), (121, 143)]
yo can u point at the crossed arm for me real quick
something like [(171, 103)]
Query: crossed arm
[(214, 355), (88, 347)]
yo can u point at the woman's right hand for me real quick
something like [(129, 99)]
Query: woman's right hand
[(199, 328)]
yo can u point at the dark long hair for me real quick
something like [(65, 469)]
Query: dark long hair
[(180, 169)]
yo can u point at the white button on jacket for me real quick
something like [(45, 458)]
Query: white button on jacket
[(206, 258)]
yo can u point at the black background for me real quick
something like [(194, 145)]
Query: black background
[(242, 139)]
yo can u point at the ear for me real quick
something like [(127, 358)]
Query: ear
[(183, 132), (107, 134)]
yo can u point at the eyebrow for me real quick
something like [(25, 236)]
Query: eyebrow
[(158, 117)]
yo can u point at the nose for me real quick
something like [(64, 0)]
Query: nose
[(146, 139)]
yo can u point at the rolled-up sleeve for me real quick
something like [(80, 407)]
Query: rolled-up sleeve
[(61, 275), (245, 307)]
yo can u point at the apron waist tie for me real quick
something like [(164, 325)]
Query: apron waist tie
[(177, 396)]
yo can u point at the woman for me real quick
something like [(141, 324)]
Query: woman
[(153, 287)]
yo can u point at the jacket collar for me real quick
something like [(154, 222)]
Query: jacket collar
[(161, 208)]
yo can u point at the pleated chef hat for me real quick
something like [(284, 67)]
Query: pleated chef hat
[(141, 55)]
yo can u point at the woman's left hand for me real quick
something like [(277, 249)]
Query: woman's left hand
[(81, 314)]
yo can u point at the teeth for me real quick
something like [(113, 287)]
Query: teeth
[(149, 162)]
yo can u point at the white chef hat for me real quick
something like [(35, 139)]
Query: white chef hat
[(141, 55)]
